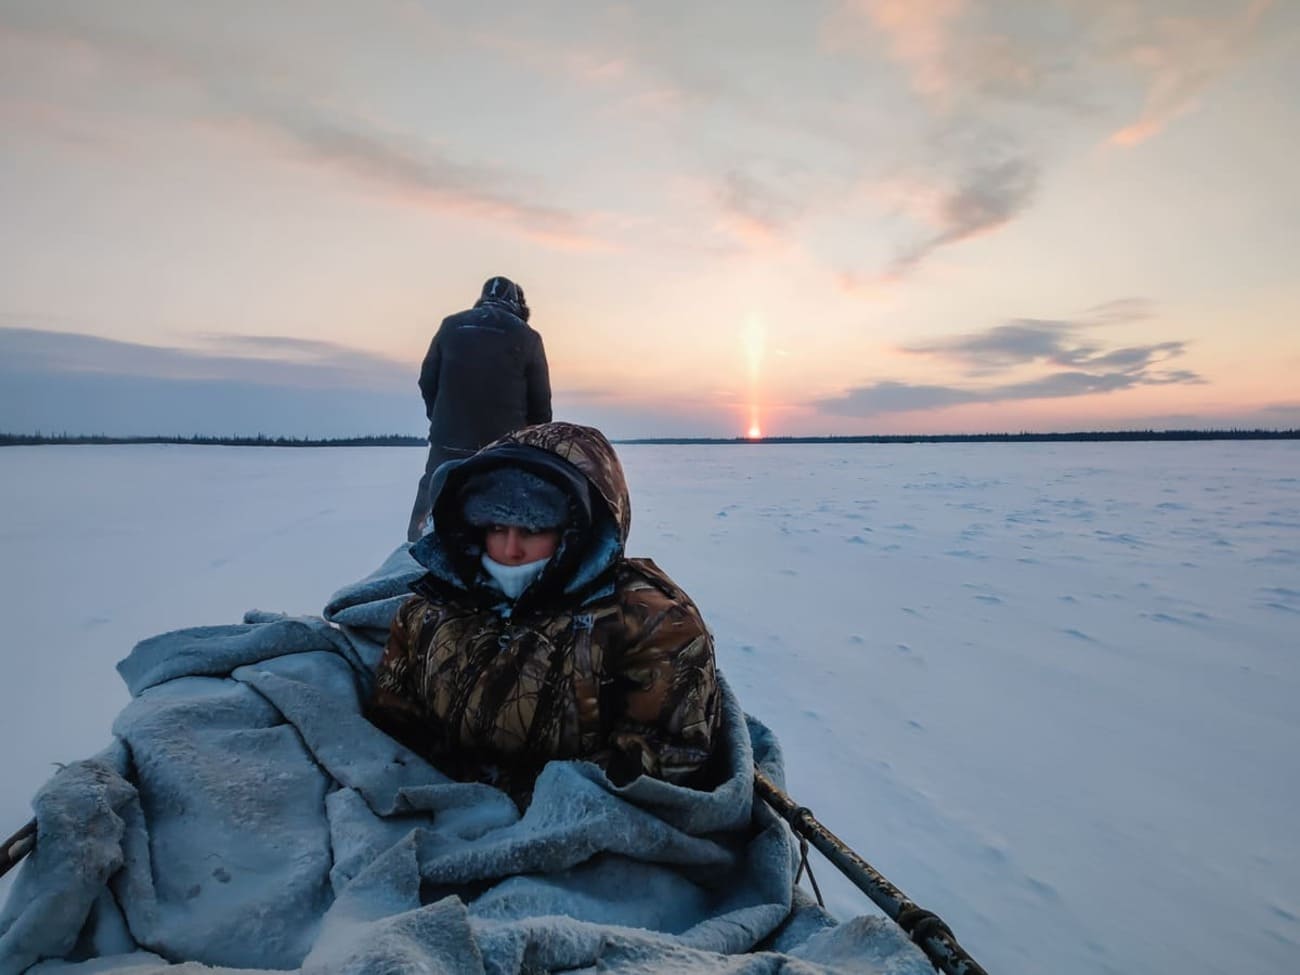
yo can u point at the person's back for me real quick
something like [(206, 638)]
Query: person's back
[(490, 379), (485, 375)]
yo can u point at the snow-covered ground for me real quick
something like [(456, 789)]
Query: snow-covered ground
[(1049, 690)]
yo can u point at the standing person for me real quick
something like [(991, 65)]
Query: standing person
[(484, 375), (532, 637)]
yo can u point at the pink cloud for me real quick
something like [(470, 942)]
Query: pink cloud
[(919, 36), (1184, 58), (400, 167), (413, 174)]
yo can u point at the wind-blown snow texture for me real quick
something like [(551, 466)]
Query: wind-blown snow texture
[(1048, 689)]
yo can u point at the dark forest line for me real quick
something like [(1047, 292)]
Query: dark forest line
[(400, 440), (1083, 436), (261, 440)]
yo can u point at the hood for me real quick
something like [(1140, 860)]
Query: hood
[(587, 449), (581, 461), (506, 294)]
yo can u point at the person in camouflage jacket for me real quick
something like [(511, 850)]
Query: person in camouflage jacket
[(600, 657)]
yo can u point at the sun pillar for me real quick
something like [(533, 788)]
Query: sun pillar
[(753, 341)]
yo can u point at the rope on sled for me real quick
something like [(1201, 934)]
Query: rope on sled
[(926, 929), (805, 866)]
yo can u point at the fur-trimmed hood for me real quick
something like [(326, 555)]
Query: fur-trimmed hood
[(577, 459)]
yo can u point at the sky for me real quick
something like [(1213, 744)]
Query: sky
[(825, 217)]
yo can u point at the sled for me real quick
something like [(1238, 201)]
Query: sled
[(248, 816)]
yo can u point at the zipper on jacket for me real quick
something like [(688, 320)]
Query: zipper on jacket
[(586, 682)]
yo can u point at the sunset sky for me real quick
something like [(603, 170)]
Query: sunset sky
[(813, 217)]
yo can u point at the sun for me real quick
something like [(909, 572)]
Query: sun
[(754, 432)]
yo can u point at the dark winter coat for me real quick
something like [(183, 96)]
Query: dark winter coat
[(602, 658), (485, 374)]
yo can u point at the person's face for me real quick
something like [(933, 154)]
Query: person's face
[(514, 545)]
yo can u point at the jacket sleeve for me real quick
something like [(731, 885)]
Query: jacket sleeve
[(395, 706), (669, 720), (538, 379), (429, 374)]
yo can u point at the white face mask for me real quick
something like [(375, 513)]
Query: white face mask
[(513, 579)]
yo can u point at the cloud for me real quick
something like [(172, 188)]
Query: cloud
[(970, 58), (56, 382), (125, 406), (919, 35), (418, 173), (991, 183), (889, 396), (290, 362), (1020, 341), (753, 211), (1085, 367), (65, 382), (257, 103), (984, 199), (1044, 80), (1120, 311), (275, 385), (987, 198), (1030, 340), (1182, 57), (898, 397), (1054, 342), (1291, 410), (298, 347)]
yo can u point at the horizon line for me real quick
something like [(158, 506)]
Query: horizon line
[(409, 440)]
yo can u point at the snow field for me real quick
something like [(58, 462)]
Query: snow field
[(1047, 689)]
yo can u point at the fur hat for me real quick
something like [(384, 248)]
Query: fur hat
[(513, 496)]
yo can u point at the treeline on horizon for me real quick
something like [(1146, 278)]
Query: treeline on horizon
[(261, 440), (401, 440), (1060, 437)]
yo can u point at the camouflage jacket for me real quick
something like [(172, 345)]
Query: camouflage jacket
[(607, 661)]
